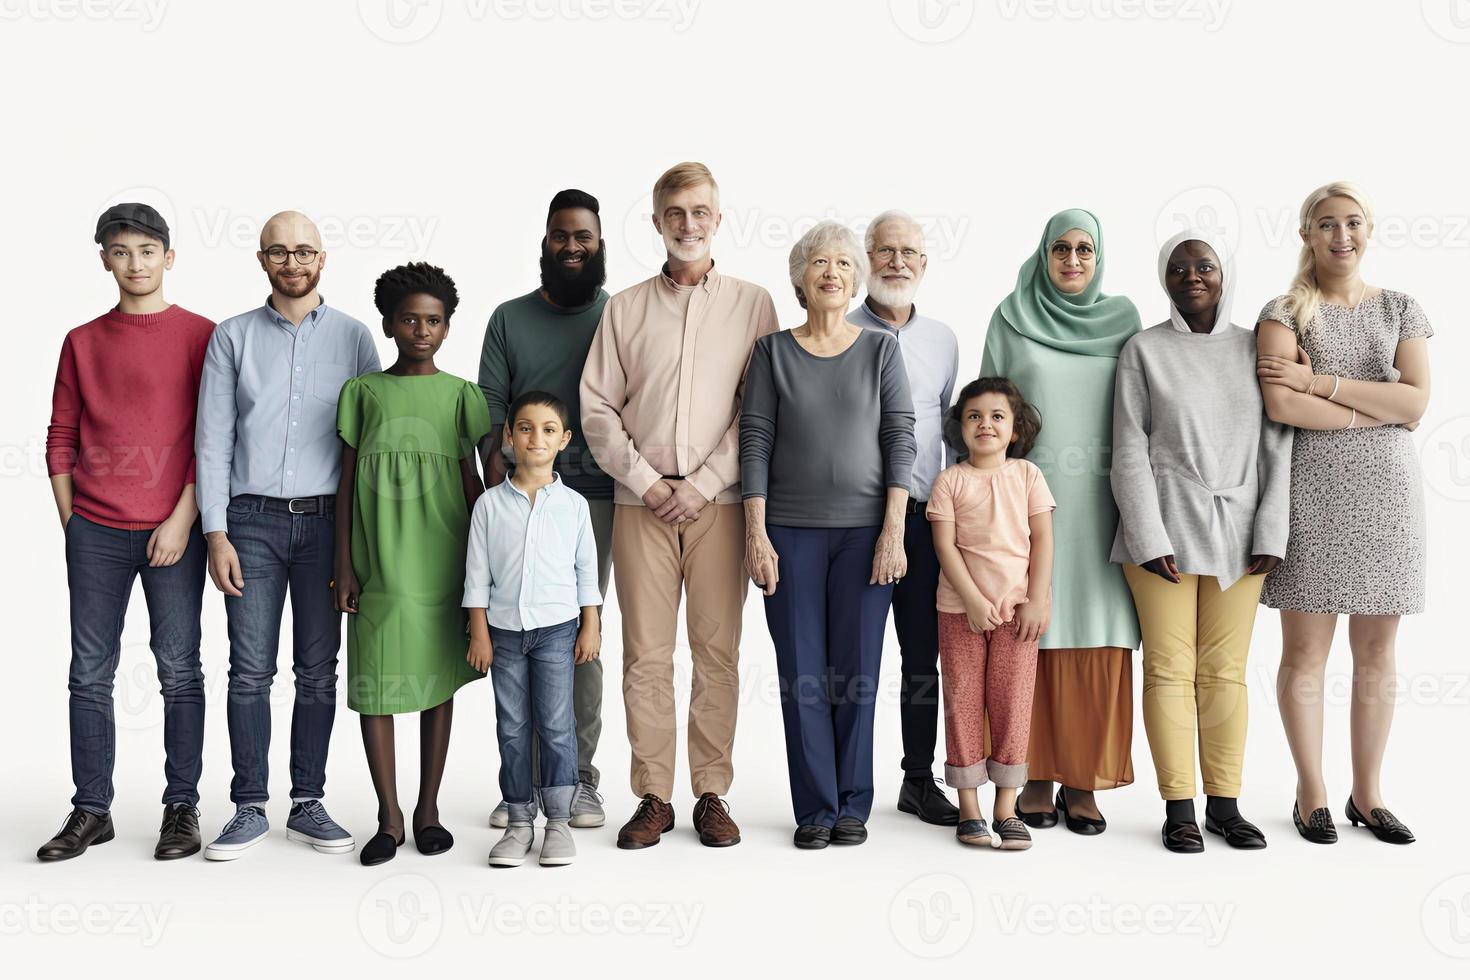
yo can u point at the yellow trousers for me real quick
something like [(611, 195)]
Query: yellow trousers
[(1195, 642)]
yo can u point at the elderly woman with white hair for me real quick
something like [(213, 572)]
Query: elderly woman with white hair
[(826, 453)]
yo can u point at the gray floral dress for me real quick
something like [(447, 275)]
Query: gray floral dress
[(1357, 500)]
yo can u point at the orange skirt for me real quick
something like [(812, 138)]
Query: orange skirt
[(1082, 718)]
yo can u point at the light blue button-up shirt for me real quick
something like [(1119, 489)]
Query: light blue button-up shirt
[(267, 421), (931, 356), (531, 565)]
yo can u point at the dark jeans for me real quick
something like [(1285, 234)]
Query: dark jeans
[(280, 552), (916, 621), (532, 674), (101, 564), (827, 623)]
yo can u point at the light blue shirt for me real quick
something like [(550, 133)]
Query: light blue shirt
[(531, 566), (267, 421), (931, 356)]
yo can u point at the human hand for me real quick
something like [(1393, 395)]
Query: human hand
[(890, 564), (1164, 567), (762, 563), (681, 506), (224, 564)]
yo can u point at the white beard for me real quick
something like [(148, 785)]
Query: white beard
[(688, 253), (892, 296)]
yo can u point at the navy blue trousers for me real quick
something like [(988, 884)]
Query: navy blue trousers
[(827, 624)]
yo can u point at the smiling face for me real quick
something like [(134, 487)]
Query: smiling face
[(988, 425), (1071, 261), (830, 279), (418, 327), (687, 219), (1337, 236), (536, 435), (572, 239), (1193, 278), (284, 236), (898, 263), (137, 261)]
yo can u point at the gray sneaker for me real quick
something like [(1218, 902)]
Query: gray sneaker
[(587, 807), (500, 816), (513, 848), (309, 823), (245, 829), (556, 844)]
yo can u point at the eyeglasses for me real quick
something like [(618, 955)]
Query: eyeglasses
[(887, 252), (1062, 250), (304, 255)]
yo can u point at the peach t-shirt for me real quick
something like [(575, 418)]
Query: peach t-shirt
[(991, 511)]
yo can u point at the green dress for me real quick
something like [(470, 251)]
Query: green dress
[(406, 644)]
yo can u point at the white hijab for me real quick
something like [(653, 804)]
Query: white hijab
[(1227, 277)]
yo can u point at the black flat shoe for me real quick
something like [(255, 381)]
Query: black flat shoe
[(921, 796), (849, 830), (380, 850), (178, 836), (80, 831), (1183, 838), (1388, 829), (1238, 832), (1086, 826), (1040, 819), (810, 837), (1319, 828), (973, 832), (433, 840)]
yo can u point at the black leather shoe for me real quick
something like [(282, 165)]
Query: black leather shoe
[(433, 840), (81, 830), (178, 837), (1183, 837), (1086, 826), (921, 796), (1319, 828), (1388, 829), (1040, 819), (849, 830), (380, 850), (1238, 832), (811, 837)]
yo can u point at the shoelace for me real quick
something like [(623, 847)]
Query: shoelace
[(647, 806), (586, 794), (721, 808), (316, 812), (243, 817), (175, 813)]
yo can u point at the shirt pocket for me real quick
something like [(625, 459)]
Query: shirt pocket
[(327, 381)]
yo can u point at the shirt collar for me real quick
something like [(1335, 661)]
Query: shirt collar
[(309, 320), (510, 486), (878, 321), (707, 283)]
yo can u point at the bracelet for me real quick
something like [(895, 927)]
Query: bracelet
[(1336, 380), (1313, 383), (1353, 420)]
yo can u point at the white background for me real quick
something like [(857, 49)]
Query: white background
[(441, 134)]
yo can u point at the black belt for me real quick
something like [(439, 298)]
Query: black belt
[(324, 505), (916, 506)]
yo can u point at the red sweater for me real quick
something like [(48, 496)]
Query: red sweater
[(122, 414)]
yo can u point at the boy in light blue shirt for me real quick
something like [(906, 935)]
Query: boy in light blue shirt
[(531, 591)]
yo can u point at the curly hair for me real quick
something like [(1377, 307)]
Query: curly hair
[(1027, 425), (397, 284)]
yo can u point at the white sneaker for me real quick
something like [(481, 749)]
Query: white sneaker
[(512, 849), (557, 847)]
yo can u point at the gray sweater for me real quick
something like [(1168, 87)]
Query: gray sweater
[(1199, 472), (822, 438)]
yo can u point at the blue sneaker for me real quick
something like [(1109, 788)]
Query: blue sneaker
[(309, 823), (245, 829)]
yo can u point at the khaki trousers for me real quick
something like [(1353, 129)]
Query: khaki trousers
[(652, 563), (1195, 642)]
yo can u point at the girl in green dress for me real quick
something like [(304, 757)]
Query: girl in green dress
[(408, 486)]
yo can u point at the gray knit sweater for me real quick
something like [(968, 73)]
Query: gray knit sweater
[(1199, 471)]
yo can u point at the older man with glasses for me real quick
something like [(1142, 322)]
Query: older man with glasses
[(895, 245), (268, 458)]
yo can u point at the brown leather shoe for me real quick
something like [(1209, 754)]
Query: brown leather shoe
[(712, 820), (649, 823)]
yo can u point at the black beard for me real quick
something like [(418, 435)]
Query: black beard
[(577, 288)]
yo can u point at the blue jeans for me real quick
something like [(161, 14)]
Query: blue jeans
[(533, 675), (280, 552), (101, 564)]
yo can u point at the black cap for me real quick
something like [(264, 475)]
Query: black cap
[(139, 217)]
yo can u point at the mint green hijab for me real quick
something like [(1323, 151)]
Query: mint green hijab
[(1088, 323)]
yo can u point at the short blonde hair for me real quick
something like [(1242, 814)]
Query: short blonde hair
[(821, 235), (680, 176)]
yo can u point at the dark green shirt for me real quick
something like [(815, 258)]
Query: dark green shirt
[(531, 345)]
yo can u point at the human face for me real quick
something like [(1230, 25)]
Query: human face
[(418, 327), (290, 233), (137, 261), (988, 427), (830, 279), (1193, 279), (536, 436), (572, 238), (898, 263), (688, 219), (1337, 236), (1071, 261)]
